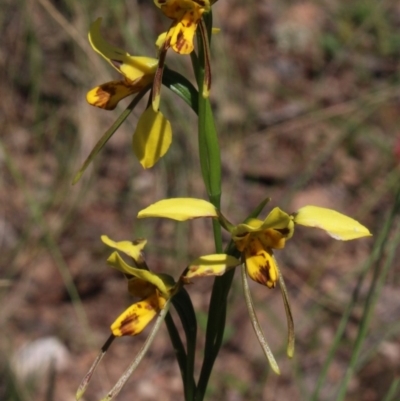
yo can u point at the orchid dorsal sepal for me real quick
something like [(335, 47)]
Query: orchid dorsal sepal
[(163, 282), (337, 225), (256, 325), (288, 311), (86, 380), (132, 249), (211, 265), (180, 209), (131, 67), (276, 219)]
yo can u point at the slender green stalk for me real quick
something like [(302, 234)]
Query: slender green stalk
[(185, 310)]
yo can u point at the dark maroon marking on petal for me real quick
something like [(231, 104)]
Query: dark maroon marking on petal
[(125, 328), (263, 276), (180, 41)]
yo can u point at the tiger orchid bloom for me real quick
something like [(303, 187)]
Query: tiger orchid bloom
[(153, 135), (256, 239), (186, 17), (154, 293), (152, 289)]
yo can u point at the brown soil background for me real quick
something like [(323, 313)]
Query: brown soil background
[(307, 104)]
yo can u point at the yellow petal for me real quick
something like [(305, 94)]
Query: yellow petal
[(131, 67), (136, 317), (260, 264), (211, 265), (180, 37), (152, 137), (180, 209), (276, 219), (132, 249), (108, 95), (337, 225), (160, 40), (163, 282)]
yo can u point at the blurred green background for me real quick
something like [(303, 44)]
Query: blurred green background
[(307, 104)]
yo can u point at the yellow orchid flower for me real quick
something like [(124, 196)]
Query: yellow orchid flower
[(153, 135), (154, 292), (152, 289), (138, 72), (186, 17), (256, 239)]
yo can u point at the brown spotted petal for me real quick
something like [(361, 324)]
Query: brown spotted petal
[(260, 264), (135, 319), (107, 96)]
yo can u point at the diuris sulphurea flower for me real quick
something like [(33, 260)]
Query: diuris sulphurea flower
[(186, 18), (256, 241), (153, 292), (153, 134)]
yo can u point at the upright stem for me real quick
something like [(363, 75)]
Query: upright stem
[(210, 162)]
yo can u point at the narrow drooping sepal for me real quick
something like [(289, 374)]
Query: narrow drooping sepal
[(289, 316), (256, 325)]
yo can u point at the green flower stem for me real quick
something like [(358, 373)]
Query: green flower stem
[(185, 310), (215, 329), (210, 161), (179, 353)]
